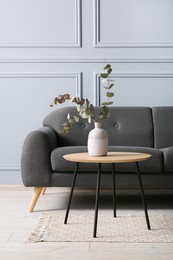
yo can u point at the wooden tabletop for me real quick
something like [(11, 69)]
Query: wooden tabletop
[(111, 157)]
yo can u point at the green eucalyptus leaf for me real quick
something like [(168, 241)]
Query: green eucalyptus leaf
[(83, 114), (76, 118), (105, 109), (78, 108), (68, 116), (71, 121), (109, 94), (107, 115), (111, 85), (100, 117), (66, 96), (104, 75), (89, 120), (64, 131), (58, 101), (109, 71), (66, 127), (107, 103), (66, 124), (86, 103), (107, 66), (74, 99)]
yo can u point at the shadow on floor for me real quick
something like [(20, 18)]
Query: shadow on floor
[(128, 200)]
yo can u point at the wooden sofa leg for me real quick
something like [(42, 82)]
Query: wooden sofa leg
[(43, 191), (35, 196)]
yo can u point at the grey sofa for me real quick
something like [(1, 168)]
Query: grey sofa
[(136, 129)]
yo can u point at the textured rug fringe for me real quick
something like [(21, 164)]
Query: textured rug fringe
[(123, 229), (38, 232)]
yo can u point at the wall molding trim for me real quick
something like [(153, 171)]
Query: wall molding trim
[(74, 75), (85, 60), (97, 85), (76, 44), (99, 44), (10, 168)]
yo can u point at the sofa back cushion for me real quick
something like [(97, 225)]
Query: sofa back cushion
[(130, 126), (163, 126), (127, 126)]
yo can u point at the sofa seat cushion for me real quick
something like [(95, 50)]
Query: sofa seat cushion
[(154, 164), (168, 158)]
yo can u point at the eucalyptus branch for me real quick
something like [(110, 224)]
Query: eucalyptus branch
[(105, 79), (84, 108)]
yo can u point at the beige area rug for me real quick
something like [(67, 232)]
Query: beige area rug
[(123, 229)]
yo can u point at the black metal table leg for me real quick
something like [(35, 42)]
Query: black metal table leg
[(71, 193), (97, 199), (114, 191), (143, 197)]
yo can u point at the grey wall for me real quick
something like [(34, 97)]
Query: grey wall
[(49, 47)]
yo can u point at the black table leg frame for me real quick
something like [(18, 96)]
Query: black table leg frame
[(114, 195), (114, 190), (143, 196), (71, 193), (97, 199), (98, 194)]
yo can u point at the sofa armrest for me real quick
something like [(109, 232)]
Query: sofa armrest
[(35, 160)]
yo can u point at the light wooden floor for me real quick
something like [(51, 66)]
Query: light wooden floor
[(16, 224)]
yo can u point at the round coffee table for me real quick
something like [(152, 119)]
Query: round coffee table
[(113, 158)]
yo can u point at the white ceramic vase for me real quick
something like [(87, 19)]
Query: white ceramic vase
[(97, 141)]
